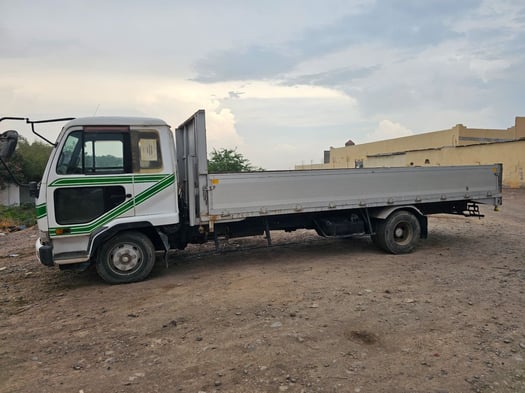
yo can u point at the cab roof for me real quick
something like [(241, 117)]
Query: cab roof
[(116, 121)]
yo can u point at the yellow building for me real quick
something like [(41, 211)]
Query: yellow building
[(456, 146)]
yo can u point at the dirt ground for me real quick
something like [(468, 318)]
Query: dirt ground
[(306, 315)]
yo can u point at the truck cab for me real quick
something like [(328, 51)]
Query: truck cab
[(105, 174)]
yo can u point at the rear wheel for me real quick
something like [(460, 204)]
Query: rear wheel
[(399, 233), (127, 257)]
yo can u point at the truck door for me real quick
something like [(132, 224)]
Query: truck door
[(90, 184), (155, 193)]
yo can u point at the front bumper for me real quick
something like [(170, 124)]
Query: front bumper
[(44, 253)]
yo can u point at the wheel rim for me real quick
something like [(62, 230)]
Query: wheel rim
[(125, 258), (403, 233)]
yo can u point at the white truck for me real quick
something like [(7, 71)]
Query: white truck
[(116, 190)]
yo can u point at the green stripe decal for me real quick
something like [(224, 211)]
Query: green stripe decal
[(41, 211), (105, 180), (165, 182), (147, 178)]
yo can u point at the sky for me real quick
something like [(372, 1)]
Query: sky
[(281, 81)]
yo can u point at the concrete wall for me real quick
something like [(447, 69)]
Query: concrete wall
[(392, 160), (458, 145), (14, 195), (10, 195), (519, 128), (469, 136), (510, 154), (345, 157)]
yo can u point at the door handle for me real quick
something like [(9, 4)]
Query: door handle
[(128, 195)]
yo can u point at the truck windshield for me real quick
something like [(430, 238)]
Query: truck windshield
[(69, 160)]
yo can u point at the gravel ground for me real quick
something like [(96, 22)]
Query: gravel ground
[(305, 315)]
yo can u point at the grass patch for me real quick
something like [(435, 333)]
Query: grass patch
[(15, 216)]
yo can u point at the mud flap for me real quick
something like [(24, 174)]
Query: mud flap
[(166, 244)]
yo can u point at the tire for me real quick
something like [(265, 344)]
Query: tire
[(127, 257), (399, 233)]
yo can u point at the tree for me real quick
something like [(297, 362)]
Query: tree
[(15, 165), (229, 160), (34, 158), (27, 163)]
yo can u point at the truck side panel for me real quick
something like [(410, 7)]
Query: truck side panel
[(240, 195)]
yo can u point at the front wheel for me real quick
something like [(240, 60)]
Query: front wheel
[(125, 258), (399, 233)]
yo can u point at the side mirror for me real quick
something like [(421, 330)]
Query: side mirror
[(8, 141), (34, 189)]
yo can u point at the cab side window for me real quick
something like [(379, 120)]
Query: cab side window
[(95, 152), (104, 153), (146, 151)]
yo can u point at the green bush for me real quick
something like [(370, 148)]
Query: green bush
[(15, 216)]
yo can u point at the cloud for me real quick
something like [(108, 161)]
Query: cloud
[(398, 23), (401, 24), (335, 77), (242, 64), (342, 70), (235, 94), (388, 129), (172, 100), (278, 107), (283, 125), (274, 89), (493, 16), (220, 129), (487, 69)]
